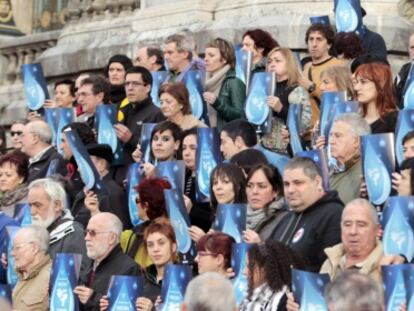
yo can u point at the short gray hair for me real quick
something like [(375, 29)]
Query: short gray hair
[(53, 189), (183, 43), (199, 293), (37, 235), (355, 291), (363, 202), (42, 129), (358, 125), (113, 223)]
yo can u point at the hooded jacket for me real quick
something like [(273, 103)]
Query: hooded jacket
[(311, 231)]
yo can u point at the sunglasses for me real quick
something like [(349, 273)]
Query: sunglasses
[(93, 233), (18, 133)]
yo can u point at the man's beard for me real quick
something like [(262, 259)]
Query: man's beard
[(45, 223)]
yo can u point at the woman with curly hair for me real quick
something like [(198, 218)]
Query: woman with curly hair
[(269, 274), (150, 205), (375, 93)]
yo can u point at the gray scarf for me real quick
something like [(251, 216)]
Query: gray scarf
[(255, 217)]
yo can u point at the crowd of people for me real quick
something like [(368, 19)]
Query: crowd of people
[(292, 220)]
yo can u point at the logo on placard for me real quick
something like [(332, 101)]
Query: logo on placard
[(298, 235)]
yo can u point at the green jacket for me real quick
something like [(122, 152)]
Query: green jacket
[(230, 101)]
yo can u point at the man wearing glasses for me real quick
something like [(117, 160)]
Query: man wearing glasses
[(102, 246)]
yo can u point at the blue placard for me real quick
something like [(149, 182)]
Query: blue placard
[(324, 19), (208, 156), (293, 123), (22, 214), (238, 264), (158, 78), (6, 292), (194, 81), (174, 172), (145, 141), (134, 177), (308, 289), (63, 280), (51, 116), (398, 224), (348, 16), (231, 219), (277, 160), (105, 119), (35, 87), (88, 172), (320, 157), (409, 286), (53, 167), (244, 65), (394, 286), (378, 163), (178, 215), (174, 284), (11, 273), (256, 108), (405, 124), (66, 116), (408, 97), (329, 101), (123, 291)]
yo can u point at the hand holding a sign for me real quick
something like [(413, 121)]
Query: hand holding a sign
[(274, 103), (144, 304), (250, 236), (122, 132), (209, 97), (92, 202), (50, 104), (196, 233), (103, 303), (84, 293), (320, 143), (291, 305), (137, 154)]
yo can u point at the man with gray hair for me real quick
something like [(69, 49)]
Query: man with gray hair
[(102, 244), (209, 291), (36, 143), (353, 291), (48, 205), (178, 53), (33, 264), (344, 143)]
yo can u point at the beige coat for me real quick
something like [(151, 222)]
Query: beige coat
[(371, 266), (31, 292)]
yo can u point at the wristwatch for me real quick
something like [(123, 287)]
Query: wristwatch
[(312, 88)]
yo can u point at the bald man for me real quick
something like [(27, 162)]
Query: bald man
[(36, 143), (102, 246)]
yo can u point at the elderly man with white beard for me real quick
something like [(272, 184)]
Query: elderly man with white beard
[(48, 205)]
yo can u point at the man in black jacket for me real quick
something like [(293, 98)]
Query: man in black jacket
[(313, 222), (36, 143), (102, 245)]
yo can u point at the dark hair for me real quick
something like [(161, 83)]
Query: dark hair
[(275, 261), (151, 191), (85, 133), (153, 50), (407, 137), (184, 134), (226, 50), (326, 30), (99, 85), (218, 243), (124, 60), (272, 175), (309, 167), (145, 74), (242, 128), (262, 39), (381, 76), (69, 83), (367, 59), (20, 160), (349, 44), (236, 177), (179, 91), (167, 125), (3, 145), (408, 164), (248, 158)]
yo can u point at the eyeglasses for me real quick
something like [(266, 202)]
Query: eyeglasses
[(19, 246), (18, 133), (204, 254), (83, 94), (92, 233), (134, 83)]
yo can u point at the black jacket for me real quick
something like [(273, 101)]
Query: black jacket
[(311, 231), (152, 288), (116, 263), (39, 168)]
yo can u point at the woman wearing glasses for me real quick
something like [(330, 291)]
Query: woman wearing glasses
[(13, 175)]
